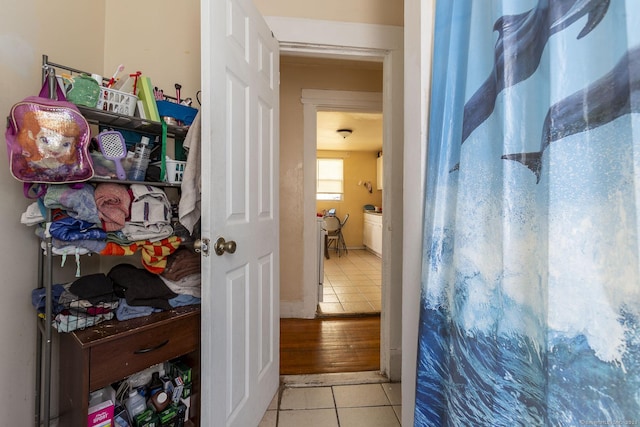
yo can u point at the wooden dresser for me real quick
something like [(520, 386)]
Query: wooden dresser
[(96, 357)]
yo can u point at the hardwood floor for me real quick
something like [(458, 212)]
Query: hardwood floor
[(329, 345)]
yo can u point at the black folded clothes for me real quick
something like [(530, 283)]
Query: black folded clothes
[(140, 287), (95, 288), (137, 285)]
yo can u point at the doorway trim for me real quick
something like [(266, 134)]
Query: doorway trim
[(347, 40)]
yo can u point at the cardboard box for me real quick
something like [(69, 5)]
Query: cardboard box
[(101, 415), (182, 370), (147, 418)]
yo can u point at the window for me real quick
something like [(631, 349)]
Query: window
[(329, 179)]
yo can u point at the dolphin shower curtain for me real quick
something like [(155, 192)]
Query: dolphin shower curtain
[(530, 299)]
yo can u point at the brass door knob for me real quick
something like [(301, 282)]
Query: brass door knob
[(221, 246)]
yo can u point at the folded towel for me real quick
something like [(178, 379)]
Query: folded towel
[(181, 263), (33, 215), (188, 285), (150, 214), (191, 186), (113, 202)]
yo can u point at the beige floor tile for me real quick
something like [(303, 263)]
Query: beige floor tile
[(378, 416), (358, 277), (345, 290), (358, 307), (331, 308), (358, 272), (307, 398), (398, 410), (349, 396), (377, 306), (330, 297), (355, 297), (308, 418), (274, 402), (269, 419), (393, 392)]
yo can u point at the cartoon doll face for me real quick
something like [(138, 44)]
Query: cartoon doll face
[(54, 145), (49, 139)]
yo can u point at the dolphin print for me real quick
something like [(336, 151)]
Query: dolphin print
[(615, 94), (521, 41)]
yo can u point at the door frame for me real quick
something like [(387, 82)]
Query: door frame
[(371, 42)]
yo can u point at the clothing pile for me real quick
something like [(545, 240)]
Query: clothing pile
[(79, 304), (114, 219)]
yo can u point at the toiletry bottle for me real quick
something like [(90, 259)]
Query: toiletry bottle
[(135, 404), (140, 160)]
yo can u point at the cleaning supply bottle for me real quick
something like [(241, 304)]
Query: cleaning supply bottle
[(135, 404), (140, 160)]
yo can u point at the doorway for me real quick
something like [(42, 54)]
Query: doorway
[(321, 39), (352, 273)]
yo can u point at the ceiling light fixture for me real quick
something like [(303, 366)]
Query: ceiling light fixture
[(344, 132)]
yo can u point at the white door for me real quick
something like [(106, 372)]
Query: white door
[(240, 293)]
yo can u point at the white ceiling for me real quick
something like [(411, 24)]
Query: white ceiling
[(366, 127)]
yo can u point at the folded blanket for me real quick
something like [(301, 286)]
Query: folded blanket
[(154, 254), (70, 229), (77, 202), (113, 202)]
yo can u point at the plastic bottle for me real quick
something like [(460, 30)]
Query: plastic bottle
[(135, 404), (140, 160)]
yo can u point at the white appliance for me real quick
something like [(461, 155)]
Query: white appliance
[(322, 232)]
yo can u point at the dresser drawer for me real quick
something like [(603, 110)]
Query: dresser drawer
[(116, 359)]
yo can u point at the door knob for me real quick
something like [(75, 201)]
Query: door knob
[(223, 246)]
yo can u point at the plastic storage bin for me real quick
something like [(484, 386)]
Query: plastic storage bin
[(183, 113), (117, 102), (174, 169)]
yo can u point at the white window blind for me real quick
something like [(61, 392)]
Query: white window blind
[(329, 179)]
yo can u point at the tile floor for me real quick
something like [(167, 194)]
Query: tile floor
[(364, 400), (352, 283)]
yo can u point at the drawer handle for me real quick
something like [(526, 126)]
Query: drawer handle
[(147, 350)]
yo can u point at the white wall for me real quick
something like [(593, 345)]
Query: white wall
[(68, 31)]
